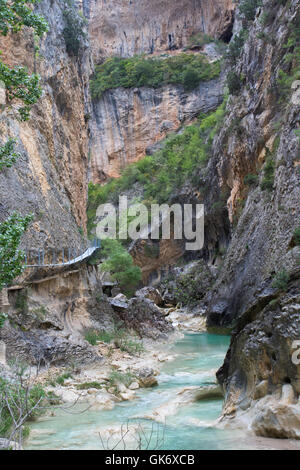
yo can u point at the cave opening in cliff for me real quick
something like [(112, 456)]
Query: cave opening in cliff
[(228, 32)]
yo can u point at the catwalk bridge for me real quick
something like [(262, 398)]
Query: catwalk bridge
[(63, 257)]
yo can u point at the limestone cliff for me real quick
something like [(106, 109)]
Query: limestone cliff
[(247, 295), (126, 122), (50, 178), (142, 26)]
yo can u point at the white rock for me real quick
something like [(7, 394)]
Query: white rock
[(287, 394), (134, 386), (128, 395), (122, 388)]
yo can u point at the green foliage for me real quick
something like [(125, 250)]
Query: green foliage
[(296, 236), (91, 336), (117, 377), (73, 31), (166, 170), (18, 397), (186, 69), (290, 70), (281, 280), (248, 8), (234, 83), (269, 173), (19, 85), (60, 380), (119, 264), (3, 318), (266, 17), (11, 259), (236, 47), (199, 40), (119, 336), (251, 180), (18, 13), (88, 385), (7, 155), (297, 133)]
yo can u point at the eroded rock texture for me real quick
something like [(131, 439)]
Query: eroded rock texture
[(259, 362), (127, 121), (142, 26), (50, 178)]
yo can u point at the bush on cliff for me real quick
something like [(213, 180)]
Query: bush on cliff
[(296, 236), (119, 264), (73, 31), (168, 169), (269, 173), (248, 8), (186, 69)]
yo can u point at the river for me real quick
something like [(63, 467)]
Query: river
[(154, 418)]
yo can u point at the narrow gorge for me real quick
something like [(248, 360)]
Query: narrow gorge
[(110, 341)]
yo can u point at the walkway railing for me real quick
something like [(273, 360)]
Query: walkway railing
[(59, 257)]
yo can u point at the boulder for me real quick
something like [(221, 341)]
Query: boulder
[(6, 444), (119, 302), (147, 378), (145, 318), (152, 294)]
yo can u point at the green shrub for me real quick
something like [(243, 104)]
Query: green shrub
[(296, 236), (281, 280), (167, 170), (131, 347), (199, 40), (236, 47), (60, 380), (251, 180), (88, 385), (105, 336), (186, 69), (269, 173), (119, 264), (3, 318), (290, 70), (91, 336), (7, 154), (117, 377), (248, 8), (20, 400), (73, 31), (234, 83)]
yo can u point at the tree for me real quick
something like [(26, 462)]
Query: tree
[(11, 258), (19, 85), (23, 88), (191, 79), (73, 31), (234, 83), (7, 154), (120, 265)]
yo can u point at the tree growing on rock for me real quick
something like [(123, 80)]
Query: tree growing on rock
[(24, 89)]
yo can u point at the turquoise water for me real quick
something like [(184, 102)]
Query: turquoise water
[(187, 426)]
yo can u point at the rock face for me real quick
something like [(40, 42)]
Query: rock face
[(127, 121), (264, 317), (50, 178), (50, 314), (142, 26), (145, 318)]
